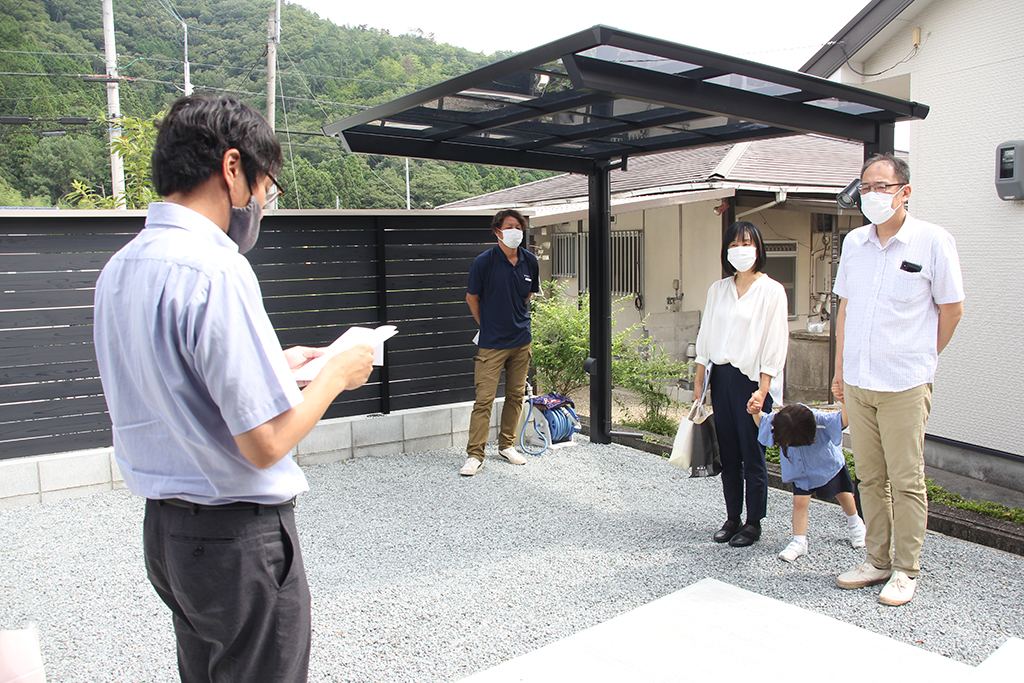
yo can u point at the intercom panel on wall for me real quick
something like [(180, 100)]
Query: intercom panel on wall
[(1010, 170)]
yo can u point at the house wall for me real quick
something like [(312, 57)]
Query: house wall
[(682, 242), (970, 71)]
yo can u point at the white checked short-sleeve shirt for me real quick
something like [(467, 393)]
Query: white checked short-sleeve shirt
[(891, 334)]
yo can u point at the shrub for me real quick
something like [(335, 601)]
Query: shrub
[(561, 343)]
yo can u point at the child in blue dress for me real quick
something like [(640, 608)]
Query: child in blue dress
[(812, 460)]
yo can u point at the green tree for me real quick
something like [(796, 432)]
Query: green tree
[(138, 136), (56, 164)]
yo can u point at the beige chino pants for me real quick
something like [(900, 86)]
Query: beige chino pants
[(887, 429), (488, 364)]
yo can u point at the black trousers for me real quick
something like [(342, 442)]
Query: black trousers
[(742, 454), (236, 586)]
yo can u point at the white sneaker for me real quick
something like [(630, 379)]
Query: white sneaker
[(857, 534), (794, 550), (899, 590), (471, 467), (865, 574), (512, 455)]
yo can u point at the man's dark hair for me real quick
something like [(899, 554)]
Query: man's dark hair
[(900, 168), (737, 231), (794, 426), (500, 217), (198, 130)]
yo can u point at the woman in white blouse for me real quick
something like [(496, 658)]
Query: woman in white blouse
[(743, 339)]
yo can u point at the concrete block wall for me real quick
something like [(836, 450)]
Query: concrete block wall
[(49, 478)]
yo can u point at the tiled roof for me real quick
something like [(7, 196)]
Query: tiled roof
[(803, 160)]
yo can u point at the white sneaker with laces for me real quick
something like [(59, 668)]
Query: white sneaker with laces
[(899, 590), (794, 550), (471, 467), (862, 575), (857, 534), (512, 455)]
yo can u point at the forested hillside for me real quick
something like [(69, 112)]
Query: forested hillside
[(326, 72)]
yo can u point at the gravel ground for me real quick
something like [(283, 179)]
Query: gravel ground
[(418, 574)]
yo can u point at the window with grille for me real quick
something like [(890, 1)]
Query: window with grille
[(780, 265), (627, 257), (565, 256)]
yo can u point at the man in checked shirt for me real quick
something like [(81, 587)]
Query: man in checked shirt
[(901, 297)]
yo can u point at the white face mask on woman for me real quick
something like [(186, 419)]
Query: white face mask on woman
[(512, 238), (877, 207), (742, 258)]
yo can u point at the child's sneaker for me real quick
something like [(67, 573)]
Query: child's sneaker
[(857, 534), (794, 550)]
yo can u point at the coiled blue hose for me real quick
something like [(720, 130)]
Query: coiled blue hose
[(562, 423)]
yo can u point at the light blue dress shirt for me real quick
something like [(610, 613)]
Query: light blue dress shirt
[(809, 467), (188, 358)]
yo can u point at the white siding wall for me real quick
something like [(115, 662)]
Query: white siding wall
[(970, 71)]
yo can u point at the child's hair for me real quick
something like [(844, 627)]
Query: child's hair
[(795, 426)]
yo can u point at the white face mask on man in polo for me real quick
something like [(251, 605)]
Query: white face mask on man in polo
[(512, 238)]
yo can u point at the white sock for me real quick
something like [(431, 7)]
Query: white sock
[(802, 540), (852, 520)]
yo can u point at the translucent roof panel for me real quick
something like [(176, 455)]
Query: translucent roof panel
[(604, 94)]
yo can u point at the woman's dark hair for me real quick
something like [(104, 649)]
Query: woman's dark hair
[(500, 217), (794, 426), (198, 130), (737, 231)]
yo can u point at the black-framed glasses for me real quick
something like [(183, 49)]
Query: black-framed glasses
[(274, 193), (879, 187)]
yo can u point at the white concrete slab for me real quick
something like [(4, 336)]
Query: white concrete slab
[(1005, 664), (681, 637)]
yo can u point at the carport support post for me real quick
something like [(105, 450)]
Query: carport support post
[(600, 303), (885, 143)]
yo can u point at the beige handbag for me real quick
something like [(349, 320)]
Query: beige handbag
[(21, 661)]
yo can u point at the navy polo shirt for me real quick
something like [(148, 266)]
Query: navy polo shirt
[(503, 290)]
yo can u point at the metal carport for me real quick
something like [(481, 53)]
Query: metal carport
[(589, 101)]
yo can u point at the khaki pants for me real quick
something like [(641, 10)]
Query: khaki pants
[(486, 372), (887, 429)]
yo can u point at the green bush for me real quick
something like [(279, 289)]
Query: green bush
[(561, 343)]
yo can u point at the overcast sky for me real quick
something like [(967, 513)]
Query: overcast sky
[(784, 33)]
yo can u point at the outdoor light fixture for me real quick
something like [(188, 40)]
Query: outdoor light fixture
[(849, 198)]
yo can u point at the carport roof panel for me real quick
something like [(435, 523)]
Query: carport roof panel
[(603, 94)]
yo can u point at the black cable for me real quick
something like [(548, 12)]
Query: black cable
[(913, 53)]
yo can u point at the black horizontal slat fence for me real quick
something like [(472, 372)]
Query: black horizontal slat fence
[(319, 273)]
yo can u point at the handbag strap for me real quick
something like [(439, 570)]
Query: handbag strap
[(707, 383)]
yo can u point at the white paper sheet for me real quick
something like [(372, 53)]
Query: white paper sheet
[(353, 336)]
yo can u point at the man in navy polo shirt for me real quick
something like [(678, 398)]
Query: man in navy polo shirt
[(501, 281)]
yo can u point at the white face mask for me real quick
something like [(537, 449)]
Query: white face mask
[(742, 258), (877, 207), (512, 238)]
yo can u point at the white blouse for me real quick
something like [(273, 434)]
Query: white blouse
[(751, 332)]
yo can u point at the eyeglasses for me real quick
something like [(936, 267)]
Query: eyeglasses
[(879, 187), (274, 193)]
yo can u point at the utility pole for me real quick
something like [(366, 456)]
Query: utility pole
[(188, 70), (113, 103), (273, 38)]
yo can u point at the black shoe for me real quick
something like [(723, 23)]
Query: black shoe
[(747, 535), (727, 531)]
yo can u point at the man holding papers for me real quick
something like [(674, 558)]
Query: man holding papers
[(204, 407), (501, 281)]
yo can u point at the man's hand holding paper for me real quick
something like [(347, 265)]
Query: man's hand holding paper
[(373, 338)]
